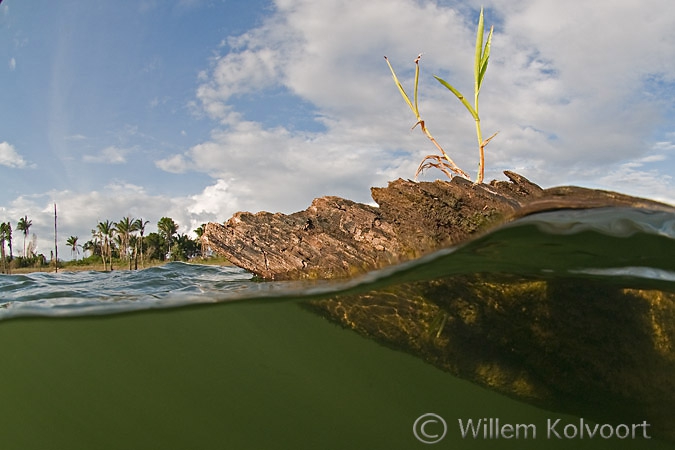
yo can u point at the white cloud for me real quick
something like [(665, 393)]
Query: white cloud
[(563, 89), (235, 74), (634, 179), (653, 158), (10, 158), (109, 155), (212, 204), (664, 146), (277, 170), (174, 164), (79, 213), (12, 64)]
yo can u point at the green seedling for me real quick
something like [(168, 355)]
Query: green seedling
[(444, 162), (480, 67)]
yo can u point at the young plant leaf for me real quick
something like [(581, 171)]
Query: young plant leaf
[(485, 57), (447, 165), (402, 91), (482, 56), (461, 98), (417, 79), (479, 47)]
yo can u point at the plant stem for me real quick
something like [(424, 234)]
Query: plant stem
[(481, 152), (453, 167)]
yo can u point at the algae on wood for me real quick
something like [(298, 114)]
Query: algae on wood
[(574, 345)]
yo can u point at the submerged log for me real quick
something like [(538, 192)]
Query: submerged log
[(596, 350), (338, 238)]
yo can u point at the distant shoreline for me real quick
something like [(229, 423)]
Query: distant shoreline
[(122, 266)]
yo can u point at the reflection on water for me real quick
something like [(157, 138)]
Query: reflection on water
[(575, 345)]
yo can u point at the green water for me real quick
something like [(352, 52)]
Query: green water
[(257, 375)]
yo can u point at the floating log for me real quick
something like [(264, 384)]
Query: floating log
[(339, 238)]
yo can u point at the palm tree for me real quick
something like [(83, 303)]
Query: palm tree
[(3, 237), (24, 225), (8, 236), (167, 228), (139, 224), (97, 240), (200, 232), (92, 245), (124, 228), (72, 243), (185, 248), (107, 233), (96, 243)]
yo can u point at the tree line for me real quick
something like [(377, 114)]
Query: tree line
[(123, 242)]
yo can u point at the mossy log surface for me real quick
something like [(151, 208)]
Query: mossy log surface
[(339, 238)]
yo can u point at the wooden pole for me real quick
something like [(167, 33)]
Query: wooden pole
[(56, 245)]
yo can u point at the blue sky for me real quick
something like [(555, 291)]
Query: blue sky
[(196, 109)]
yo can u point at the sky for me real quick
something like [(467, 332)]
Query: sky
[(196, 109)]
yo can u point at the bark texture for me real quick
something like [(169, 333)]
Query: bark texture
[(338, 238)]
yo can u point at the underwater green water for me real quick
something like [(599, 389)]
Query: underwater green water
[(240, 376)]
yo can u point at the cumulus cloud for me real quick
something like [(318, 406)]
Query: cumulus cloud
[(109, 155), (174, 164), (277, 170), (561, 105), (212, 204), (80, 212), (237, 73), (10, 158), (296, 50)]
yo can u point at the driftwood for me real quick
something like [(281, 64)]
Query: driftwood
[(338, 238)]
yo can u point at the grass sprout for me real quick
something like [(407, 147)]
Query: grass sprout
[(443, 162)]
